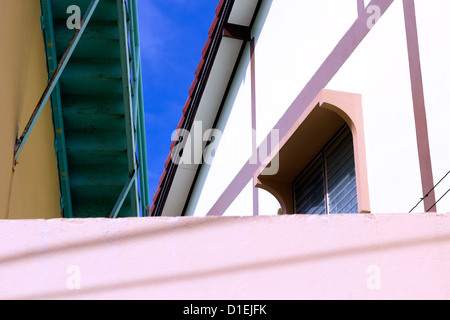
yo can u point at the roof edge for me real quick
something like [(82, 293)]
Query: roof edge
[(223, 10)]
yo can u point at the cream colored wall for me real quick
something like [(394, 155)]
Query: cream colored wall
[(32, 190)]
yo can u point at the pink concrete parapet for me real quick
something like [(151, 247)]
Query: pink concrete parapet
[(282, 257)]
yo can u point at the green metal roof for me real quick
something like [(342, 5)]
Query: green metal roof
[(98, 109)]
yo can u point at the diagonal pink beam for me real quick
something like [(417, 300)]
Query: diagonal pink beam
[(361, 8), (420, 114), (340, 54)]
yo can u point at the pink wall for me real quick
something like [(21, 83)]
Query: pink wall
[(285, 257)]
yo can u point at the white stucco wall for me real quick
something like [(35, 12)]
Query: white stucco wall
[(293, 38), (235, 146), (292, 42), (379, 70), (433, 26)]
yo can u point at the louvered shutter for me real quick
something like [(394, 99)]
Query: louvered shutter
[(341, 177), (328, 185), (309, 190)]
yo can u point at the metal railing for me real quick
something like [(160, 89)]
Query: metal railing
[(134, 111)]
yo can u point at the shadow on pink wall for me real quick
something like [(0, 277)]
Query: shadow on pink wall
[(284, 257)]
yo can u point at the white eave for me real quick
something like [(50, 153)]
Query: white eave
[(213, 94)]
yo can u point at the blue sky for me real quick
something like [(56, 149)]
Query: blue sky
[(173, 34)]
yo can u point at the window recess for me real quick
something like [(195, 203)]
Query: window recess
[(328, 184)]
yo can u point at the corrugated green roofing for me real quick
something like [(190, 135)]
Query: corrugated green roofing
[(98, 109)]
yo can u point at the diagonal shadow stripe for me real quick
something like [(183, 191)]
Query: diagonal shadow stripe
[(184, 224), (245, 267)]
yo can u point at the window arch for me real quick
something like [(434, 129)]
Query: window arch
[(331, 113)]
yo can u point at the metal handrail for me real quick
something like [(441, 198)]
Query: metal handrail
[(132, 47), (20, 142), (137, 102)]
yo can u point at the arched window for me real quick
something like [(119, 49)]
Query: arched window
[(321, 159)]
